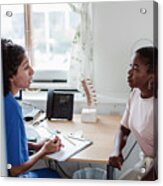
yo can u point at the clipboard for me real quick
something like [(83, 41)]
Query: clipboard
[(71, 146)]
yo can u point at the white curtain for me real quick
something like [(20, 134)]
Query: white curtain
[(81, 61)]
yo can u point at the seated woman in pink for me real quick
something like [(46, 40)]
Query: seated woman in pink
[(139, 116)]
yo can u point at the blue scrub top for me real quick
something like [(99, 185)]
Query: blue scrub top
[(16, 140)]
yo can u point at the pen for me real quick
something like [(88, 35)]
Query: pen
[(77, 138), (69, 140)]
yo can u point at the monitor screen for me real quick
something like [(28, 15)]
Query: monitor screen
[(18, 96)]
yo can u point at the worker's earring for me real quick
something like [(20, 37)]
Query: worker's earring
[(150, 85), (11, 80)]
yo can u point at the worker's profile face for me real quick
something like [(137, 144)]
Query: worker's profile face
[(138, 75), (23, 77)]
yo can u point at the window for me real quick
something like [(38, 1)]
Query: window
[(47, 32)]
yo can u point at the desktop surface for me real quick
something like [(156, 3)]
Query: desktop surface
[(102, 133)]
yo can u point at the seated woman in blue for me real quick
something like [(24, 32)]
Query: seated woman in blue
[(17, 74)]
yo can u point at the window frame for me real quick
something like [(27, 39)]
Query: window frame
[(60, 77)]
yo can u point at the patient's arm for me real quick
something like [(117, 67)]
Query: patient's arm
[(116, 158)]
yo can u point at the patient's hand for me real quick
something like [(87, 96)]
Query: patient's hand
[(116, 161)]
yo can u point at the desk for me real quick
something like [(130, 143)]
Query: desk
[(102, 133)]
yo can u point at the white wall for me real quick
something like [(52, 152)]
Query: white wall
[(3, 165), (117, 26)]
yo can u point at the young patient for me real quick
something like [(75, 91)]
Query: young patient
[(138, 117)]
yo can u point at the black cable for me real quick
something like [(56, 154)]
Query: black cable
[(131, 149), (90, 165), (61, 169), (38, 122)]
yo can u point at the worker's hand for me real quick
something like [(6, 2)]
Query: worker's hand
[(38, 146), (116, 161), (52, 145)]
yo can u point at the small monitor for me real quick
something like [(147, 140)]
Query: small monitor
[(18, 96)]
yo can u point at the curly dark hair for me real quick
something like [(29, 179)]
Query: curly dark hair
[(149, 57), (12, 56)]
